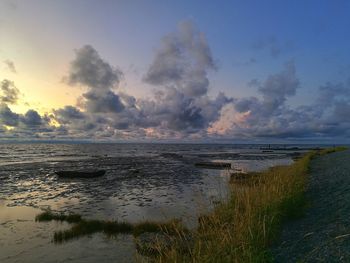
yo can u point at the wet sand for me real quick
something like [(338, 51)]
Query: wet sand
[(323, 234)]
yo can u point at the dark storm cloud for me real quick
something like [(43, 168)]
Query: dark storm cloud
[(10, 65), (89, 69), (68, 113), (104, 110), (178, 112), (183, 59), (7, 117), (8, 92), (73, 120), (180, 68), (172, 110), (24, 126), (103, 102), (31, 118)]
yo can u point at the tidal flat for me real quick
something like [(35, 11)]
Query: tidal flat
[(143, 182)]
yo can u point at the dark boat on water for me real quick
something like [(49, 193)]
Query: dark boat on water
[(213, 165), (81, 174)]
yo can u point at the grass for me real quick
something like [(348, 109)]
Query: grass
[(49, 216), (329, 150), (82, 227), (240, 229)]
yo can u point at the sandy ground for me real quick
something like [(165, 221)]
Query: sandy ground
[(323, 234)]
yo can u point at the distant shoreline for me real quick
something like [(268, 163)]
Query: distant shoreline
[(325, 144)]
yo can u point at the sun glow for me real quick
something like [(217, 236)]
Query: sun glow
[(54, 123), (8, 128)]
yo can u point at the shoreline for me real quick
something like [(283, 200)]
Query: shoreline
[(202, 222), (260, 207), (242, 228), (323, 233)]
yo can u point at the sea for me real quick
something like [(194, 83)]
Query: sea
[(142, 182)]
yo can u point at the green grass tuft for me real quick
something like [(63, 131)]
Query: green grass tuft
[(88, 227), (82, 227), (50, 216)]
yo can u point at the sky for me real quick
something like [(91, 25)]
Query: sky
[(183, 71)]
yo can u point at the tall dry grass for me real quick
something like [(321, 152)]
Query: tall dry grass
[(242, 228)]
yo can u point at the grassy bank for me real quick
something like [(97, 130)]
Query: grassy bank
[(242, 228)]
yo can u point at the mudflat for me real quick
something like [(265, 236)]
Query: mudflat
[(323, 234)]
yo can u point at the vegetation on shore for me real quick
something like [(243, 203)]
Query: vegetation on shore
[(49, 216), (242, 228), (82, 227), (239, 229)]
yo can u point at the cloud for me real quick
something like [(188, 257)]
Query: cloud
[(102, 102), (20, 126), (9, 93), (180, 105), (273, 45), (276, 88), (10, 65), (68, 113), (7, 117), (249, 62), (24, 126), (180, 68), (183, 60), (269, 116), (31, 118), (89, 69)]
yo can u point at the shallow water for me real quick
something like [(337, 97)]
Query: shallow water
[(143, 181), (23, 240)]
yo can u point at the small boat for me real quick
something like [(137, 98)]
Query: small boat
[(80, 174), (213, 165)]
